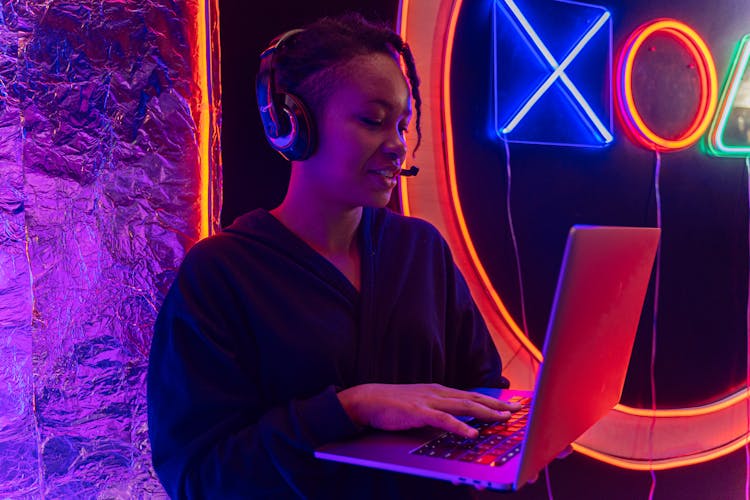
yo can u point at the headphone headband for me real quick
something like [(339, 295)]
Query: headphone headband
[(279, 40)]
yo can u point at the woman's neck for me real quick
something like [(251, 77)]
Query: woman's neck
[(331, 233), (329, 230)]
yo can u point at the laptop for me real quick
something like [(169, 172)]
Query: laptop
[(595, 314)]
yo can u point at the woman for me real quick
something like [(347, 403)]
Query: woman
[(327, 315)]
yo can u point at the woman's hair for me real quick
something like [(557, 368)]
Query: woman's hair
[(306, 64)]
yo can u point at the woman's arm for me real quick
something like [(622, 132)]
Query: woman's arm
[(398, 407), (214, 433)]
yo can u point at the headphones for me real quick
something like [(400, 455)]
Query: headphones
[(287, 123)]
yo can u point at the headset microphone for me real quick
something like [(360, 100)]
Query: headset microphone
[(409, 172)]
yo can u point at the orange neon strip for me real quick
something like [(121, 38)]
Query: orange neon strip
[(204, 127), (402, 28), (664, 464), (453, 186), (709, 85), (733, 399)]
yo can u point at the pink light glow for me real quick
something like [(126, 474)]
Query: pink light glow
[(100, 196)]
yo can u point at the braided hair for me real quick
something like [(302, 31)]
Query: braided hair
[(307, 64)]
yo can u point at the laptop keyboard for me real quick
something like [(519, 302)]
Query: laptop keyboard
[(497, 443)]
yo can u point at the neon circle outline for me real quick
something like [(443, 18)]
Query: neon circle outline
[(626, 107)]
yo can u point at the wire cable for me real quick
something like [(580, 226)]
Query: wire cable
[(652, 367), (517, 255), (516, 252)]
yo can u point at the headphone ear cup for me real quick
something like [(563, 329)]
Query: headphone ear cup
[(275, 124), (299, 143), (287, 123)]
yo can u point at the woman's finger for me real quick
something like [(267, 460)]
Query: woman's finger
[(489, 401), (470, 408), (447, 422)]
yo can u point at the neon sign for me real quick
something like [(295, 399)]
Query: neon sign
[(553, 91), (534, 90), (734, 140), (659, 439), (626, 107)]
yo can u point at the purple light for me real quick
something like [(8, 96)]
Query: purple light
[(98, 169)]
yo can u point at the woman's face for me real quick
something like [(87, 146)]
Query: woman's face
[(361, 144)]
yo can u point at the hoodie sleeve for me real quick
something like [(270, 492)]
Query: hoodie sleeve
[(212, 434)]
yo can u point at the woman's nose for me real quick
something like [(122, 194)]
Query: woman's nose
[(396, 144)]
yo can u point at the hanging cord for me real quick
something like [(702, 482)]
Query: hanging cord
[(652, 368), (548, 482), (747, 336), (657, 174), (517, 255)]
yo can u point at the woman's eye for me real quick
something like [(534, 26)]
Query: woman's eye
[(372, 121)]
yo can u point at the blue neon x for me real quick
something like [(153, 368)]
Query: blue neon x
[(515, 102)]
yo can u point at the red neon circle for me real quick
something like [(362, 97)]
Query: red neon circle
[(632, 120)]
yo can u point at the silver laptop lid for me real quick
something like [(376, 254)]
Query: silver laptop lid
[(595, 314)]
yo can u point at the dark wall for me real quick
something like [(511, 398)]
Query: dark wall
[(704, 255), (701, 342)]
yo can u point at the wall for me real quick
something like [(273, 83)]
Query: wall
[(100, 195)]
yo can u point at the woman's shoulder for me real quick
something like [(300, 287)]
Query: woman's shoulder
[(246, 232)]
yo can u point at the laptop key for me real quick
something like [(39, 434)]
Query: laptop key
[(497, 441)]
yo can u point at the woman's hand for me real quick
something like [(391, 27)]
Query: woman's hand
[(394, 407)]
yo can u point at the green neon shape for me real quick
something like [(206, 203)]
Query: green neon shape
[(715, 143)]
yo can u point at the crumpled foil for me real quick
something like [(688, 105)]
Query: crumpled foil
[(99, 200)]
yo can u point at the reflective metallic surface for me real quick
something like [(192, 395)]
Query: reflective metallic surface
[(99, 199)]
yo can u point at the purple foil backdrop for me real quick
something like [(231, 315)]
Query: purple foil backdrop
[(99, 199)]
